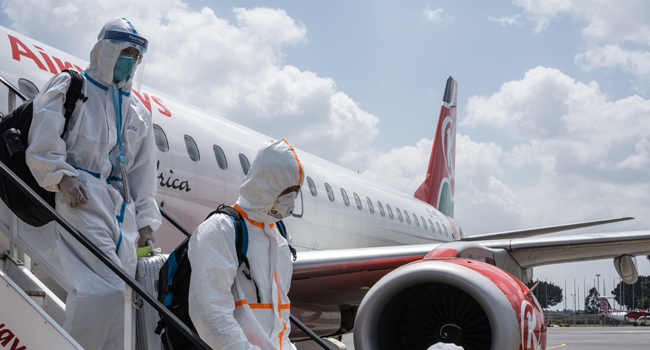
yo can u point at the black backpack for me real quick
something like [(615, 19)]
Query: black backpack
[(21, 120), (174, 281)]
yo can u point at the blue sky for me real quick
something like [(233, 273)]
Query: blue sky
[(553, 95)]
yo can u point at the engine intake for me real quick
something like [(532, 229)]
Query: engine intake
[(462, 301)]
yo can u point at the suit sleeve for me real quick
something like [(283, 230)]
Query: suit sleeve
[(213, 258), (142, 176), (46, 152)]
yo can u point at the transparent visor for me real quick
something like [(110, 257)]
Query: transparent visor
[(129, 65)]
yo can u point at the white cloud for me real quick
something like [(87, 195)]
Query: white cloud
[(610, 56), (607, 21), (402, 168), (433, 15), (609, 25), (578, 156), (507, 21), (235, 69)]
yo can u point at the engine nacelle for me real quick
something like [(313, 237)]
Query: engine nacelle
[(451, 300)]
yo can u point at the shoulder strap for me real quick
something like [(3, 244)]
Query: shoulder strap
[(283, 232), (241, 241), (74, 93)]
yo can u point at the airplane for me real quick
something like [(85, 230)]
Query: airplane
[(624, 316), (395, 268)]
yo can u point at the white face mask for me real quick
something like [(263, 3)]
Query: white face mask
[(284, 206)]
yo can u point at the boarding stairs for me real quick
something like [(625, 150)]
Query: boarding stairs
[(32, 311)]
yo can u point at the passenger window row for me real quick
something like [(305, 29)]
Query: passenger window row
[(193, 150), (220, 156), (441, 229)]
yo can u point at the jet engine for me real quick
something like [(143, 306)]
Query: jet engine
[(463, 301)]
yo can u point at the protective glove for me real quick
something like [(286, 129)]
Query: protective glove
[(74, 192), (145, 234)]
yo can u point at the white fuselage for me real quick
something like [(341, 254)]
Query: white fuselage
[(189, 190)]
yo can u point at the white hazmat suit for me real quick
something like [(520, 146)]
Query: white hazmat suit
[(87, 151), (223, 303)]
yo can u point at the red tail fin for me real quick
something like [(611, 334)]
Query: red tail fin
[(604, 306), (438, 187)]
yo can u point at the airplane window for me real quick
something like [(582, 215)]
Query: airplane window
[(358, 200), (27, 88), (406, 215), (415, 218), (399, 214), (330, 193), (370, 207), (312, 187), (439, 229), (221, 157), (245, 164), (192, 149), (345, 197), (161, 139), (424, 223), (433, 228), (381, 209), (390, 211)]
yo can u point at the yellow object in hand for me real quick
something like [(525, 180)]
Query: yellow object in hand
[(144, 251)]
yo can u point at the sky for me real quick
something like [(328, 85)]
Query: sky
[(553, 98)]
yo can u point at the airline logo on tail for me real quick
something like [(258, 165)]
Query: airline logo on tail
[(605, 307), (438, 187)]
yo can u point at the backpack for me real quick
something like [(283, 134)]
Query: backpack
[(21, 120), (174, 280)]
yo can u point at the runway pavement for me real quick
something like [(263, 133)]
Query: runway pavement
[(583, 338)]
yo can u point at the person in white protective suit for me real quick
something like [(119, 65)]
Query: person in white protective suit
[(104, 174), (223, 303)]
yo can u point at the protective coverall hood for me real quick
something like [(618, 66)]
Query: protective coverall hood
[(275, 168), (106, 52)]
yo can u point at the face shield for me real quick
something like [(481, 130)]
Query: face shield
[(130, 50)]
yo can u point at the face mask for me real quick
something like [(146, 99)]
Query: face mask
[(123, 67), (283, 206)]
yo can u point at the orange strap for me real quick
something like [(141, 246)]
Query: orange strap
[(253, 222), (297, 160), (261, 306)]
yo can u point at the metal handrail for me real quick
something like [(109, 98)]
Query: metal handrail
[(12, 88), (173, 320), (293, 319)]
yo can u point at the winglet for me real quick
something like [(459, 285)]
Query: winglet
[(438, 187)]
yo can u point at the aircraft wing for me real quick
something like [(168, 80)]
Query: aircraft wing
[(344, 276)]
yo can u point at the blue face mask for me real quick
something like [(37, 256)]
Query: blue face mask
[(123, 67)]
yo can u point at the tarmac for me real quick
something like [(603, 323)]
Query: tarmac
[(583, 338)]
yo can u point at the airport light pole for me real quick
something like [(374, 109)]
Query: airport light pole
[(598, 284), (573, 314)]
